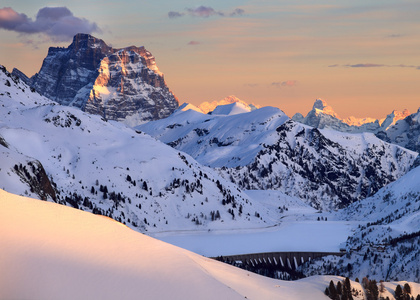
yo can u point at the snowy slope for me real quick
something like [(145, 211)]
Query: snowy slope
[(109, 169), (263, 149), (387, 245), (218, 140), (55, 252), (231, 109)]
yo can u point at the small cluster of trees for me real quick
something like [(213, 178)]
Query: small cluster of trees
[(404, 293), (215, 215), (341, 291), (371, 288)]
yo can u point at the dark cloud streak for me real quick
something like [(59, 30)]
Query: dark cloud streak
[(204, 12), (371, 65), (175, 14)]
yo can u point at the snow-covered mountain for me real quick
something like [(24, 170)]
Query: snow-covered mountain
[(405, 133), (207, 107), (118, 84), (323, 116), (218, 140), (387, 246), (263, 149), (62, 154)]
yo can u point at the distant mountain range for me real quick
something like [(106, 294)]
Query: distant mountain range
[(323, 116), (401, 128), (264, 149)]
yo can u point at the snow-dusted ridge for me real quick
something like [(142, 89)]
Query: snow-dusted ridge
[(110, 169), (264, 149)]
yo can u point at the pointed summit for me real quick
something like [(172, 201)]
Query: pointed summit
[(320, 106)]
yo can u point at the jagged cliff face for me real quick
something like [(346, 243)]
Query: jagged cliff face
[(125, 77), (118, 84)]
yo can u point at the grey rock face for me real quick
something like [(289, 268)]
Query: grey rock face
[(118, 84)]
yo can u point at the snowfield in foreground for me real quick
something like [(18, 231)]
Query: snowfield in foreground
[(50, 251)]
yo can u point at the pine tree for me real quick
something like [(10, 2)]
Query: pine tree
[(339, 288), (398, 293), (327, 292), (333, 291), (407, 289), (347, 290)]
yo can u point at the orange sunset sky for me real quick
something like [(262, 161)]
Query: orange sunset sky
[(362, 57)]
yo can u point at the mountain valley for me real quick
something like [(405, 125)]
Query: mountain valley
[(98, 130)]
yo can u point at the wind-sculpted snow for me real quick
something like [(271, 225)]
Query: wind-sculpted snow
[(263, 149), (118, 84), (110, 169)]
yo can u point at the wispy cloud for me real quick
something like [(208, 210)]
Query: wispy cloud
[(175, 14), (205, 12), (288, 83), (237, 12), (58, 23), (251, 85), (365, 65), (193, 43), (372, 65)]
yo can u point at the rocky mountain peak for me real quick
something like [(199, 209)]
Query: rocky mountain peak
[(84, 41), (320, 106), (119, 84)]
